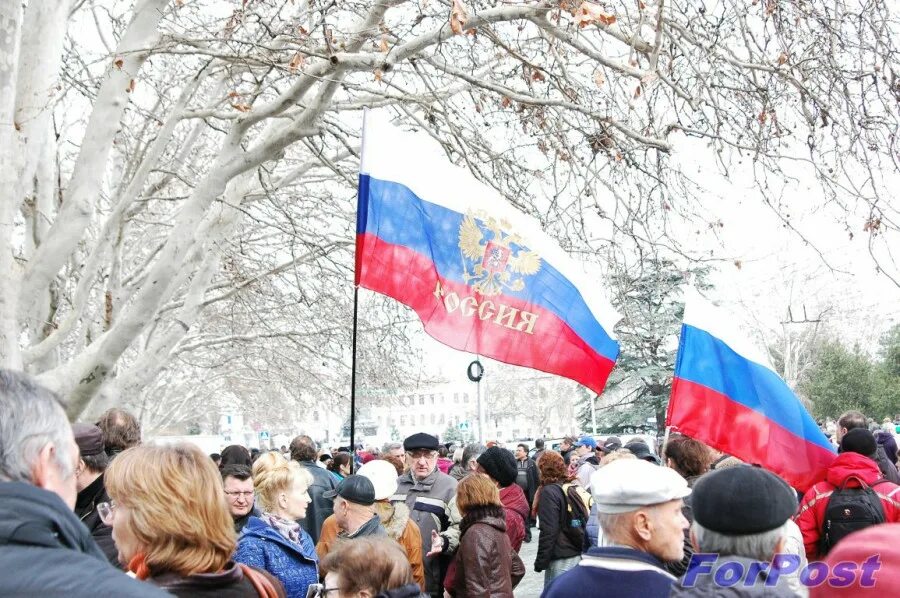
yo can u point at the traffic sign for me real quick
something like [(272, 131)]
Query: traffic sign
[(463, 426)]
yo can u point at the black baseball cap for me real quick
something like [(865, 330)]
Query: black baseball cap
[(354, 488)]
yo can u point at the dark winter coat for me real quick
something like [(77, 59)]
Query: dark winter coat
[(517, 513), (241, 522), (229, 583), (486, 565), (614, 572), (530, 483), (295, 564), (46, 551), (408, 591), (705, 585), (886, 466), (552, 543), (319, 507), (86, 511)]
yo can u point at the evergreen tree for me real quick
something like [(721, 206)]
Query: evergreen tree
[(649, 297)]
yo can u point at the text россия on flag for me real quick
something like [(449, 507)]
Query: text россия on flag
[(726, 394), (481, 275)]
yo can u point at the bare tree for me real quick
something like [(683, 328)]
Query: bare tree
[(179, 176)]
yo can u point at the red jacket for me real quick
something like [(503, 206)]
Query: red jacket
[(515, 507), (811, 515)]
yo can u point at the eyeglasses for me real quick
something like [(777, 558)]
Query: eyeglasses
[(318, 590), (233, 495), (106, 510), (422, 454)]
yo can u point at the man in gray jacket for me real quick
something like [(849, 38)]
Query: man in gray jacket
[(430, 496), (305, 452)]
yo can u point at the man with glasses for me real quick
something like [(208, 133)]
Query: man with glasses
[(428, 493), (238, 483)]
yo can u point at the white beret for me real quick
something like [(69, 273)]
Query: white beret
[(629, 484), (383, 476)]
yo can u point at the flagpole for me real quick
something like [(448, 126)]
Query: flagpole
[(356, 275), (353, 379)]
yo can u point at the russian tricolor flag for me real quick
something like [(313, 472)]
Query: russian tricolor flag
[(726, 394), (481, 275)]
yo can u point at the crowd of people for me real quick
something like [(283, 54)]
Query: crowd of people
[(88, 509)]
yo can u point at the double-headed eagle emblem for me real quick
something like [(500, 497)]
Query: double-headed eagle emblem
[(490, 264)]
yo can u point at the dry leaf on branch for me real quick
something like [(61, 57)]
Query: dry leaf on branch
[(505, 102), (599, 79), (131, 85), (383, 46), (458, 17), (782, 59), (296, 62), (378, 75), (241, 107), (119, 63), (590, 13)]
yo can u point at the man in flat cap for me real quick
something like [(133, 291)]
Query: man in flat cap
[(90, 486), (430, 496), (741, 521), (639, 508)]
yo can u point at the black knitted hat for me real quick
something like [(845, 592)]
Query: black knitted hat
[(500, 464), (859, 440)]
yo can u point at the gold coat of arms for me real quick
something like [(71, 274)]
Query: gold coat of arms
[(500, 262)]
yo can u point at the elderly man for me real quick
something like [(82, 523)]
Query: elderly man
[(428, 493), (354, 514), (238, 482), (44, 549), (91, 489), (639, 508), (741, 521), (305, 452)]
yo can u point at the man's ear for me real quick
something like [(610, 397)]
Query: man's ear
[(779, 546), (642, 525), (44, 472), (694, 542)]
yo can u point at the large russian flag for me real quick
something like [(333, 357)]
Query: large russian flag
[(481, 275), (726, 394)]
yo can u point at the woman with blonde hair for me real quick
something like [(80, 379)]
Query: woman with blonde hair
[(485, 563), (274, 541), (171, 524)]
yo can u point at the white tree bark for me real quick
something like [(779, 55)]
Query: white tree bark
[(90, 168), (11, 159)]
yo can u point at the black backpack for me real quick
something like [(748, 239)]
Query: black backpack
[(850, 510), (575, 516)]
